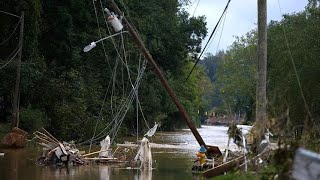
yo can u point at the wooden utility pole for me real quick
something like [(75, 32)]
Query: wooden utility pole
[(164, 82), (16, 96), (261, 95), (160, 75)]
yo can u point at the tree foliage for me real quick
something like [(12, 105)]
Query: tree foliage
[(233, 76), (68, 92), (293, 76), (293, 43)]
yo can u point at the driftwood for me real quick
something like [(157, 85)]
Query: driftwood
[(56, 140), (45, 138), (213, 151), (55, 152), (255, 158), (84, 155), (102, 158), (218, 170)]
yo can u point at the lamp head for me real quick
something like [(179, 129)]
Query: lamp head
[(89, 47)]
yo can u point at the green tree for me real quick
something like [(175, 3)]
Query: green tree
[(295, 40), (235, 77)]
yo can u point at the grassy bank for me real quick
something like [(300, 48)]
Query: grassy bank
[(265, 172)]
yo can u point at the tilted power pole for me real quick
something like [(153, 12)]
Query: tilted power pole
[(159, 74)]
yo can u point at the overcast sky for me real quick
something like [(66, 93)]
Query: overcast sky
[(241, 16)]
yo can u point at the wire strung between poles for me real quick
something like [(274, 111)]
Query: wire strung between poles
[(205, 47)]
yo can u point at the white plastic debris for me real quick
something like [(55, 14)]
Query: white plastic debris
[(152, 130), (144, 154), (105, 144)]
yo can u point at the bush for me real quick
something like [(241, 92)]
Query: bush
[(31, 119)]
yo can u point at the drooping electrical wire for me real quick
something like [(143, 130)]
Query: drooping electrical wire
[(224, 20), (195, 9), (11, 58), (205, 47), (294, 66), (11, 33)]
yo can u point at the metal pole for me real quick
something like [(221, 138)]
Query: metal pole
[(15, 114), (161, 77), (261, 98)]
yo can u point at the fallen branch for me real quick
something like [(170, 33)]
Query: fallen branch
[(95, 153)]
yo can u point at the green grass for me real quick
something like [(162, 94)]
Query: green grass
[(264, 173)]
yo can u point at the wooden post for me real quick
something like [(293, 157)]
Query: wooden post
[(160, 75), (261, 98), (16, 99)]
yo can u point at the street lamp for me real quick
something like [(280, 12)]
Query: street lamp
[(94, 44)]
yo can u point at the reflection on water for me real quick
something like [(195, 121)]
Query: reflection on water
[(145, 174), (173, 153), (104, 172)]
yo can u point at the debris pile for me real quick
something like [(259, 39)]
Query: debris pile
[(56, 153), (16, 138)]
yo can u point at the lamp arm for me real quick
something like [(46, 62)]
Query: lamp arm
[(111, 36)]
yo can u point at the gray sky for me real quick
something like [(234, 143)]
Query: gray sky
[(241, 16)]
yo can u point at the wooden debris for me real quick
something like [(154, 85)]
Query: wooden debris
[(213, 151), (100, 158), (85, 155), (218, 170), (55, 152)]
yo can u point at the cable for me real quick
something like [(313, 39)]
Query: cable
[(105, 54), (294, 66), (104, 49), (119, 117), (113, 79), (11, 33), (195, 9), (100, 114), (123, 108), (10, 14), (213, 32), (224, 20), (11, 58)]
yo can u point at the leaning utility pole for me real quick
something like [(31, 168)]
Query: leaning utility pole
[(16, 96), (261, 97), (159, 74)]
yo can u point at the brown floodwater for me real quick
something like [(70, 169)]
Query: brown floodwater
[(173, 153)]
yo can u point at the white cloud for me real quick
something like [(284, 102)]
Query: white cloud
[(241, 16)]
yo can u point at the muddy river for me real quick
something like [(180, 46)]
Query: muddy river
[(173, 153)]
